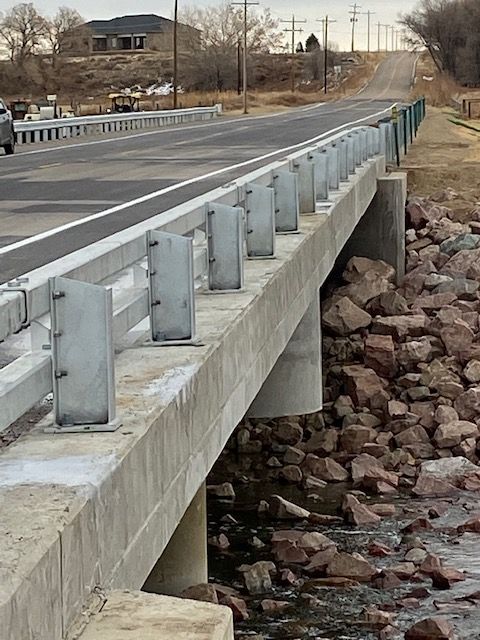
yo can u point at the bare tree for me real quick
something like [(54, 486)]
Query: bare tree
[(212, 62), (449, 29), (22, 31), (66, 31)]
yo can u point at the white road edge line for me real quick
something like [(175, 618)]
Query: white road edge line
[(144, 134), (155, 194)]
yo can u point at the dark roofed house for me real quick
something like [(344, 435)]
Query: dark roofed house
[(146, 32)]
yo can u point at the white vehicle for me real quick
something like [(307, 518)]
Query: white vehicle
[(7, 134)]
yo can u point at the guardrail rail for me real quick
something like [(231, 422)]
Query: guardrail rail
[(28, 132)]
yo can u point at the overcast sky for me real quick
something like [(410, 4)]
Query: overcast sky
[(386, 12)]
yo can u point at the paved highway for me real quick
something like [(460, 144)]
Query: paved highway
[(59, 197)]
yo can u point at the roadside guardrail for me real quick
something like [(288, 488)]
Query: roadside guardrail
[(28, 132), (79, 307)]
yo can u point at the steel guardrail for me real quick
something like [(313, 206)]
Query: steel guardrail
[(118, 271), (34, 131)]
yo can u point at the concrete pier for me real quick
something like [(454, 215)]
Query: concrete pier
[(294, 386), (184, 561)]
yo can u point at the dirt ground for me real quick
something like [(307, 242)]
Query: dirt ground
[(445, 156)]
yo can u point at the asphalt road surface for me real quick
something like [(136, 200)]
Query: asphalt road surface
[(58, 197)]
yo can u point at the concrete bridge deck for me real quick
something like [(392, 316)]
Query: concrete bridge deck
[(99, 509)]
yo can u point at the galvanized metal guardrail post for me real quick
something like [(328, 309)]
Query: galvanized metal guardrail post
[(260, 221), (307, 183), (82, 356), (224, 247), (171, 287), (287, 203), (321, 163)]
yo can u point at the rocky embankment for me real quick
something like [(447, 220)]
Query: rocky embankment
[(400, 431)]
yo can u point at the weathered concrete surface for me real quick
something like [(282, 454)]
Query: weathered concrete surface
[(380, 234), (99, 509), (184, 562), (294, 386), (143, 616)]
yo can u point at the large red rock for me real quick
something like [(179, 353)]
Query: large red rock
[(435, 628), (380, 355), (413, 435), (353, 438), (238, 607), (471, 526), (363, 384), (358, 266), (320, 560), (457, 337), (390, 303), (357, 513), (323, 442), (370, 285), (445, 577), (285, 510), (289, 553), (354, 567), (344, 317), (434, 301), (430, 487), (288, 433), (410, 353), (401, 326), (380, 481), (202, 592), (326, 469), (453, 433), (364, 464), (467, 404)]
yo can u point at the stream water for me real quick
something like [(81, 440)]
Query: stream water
[(336, 613)]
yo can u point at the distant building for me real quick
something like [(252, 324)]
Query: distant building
[(146, 32)]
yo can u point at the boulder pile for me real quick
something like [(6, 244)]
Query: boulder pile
[(400, 419), (401, 372)]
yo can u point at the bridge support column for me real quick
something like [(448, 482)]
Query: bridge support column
[(294, 386), (183, 563), (380, 234)]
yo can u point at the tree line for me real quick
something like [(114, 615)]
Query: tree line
[(450, 30), (37, 47)]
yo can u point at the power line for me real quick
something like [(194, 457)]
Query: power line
[(354, 20), (369, 14), (326, 22), (293, 30), (245, 4)]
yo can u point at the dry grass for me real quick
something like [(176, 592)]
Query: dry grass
[(261, 100), (441, 90)]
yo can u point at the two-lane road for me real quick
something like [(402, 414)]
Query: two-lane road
[(59, 197)]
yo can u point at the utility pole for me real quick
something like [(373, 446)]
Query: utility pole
[(245, 4), (393, 38), (175, 55), (387, 27), (379, 26), (368, 14), (354, 20), (325, 23), (293, 30)]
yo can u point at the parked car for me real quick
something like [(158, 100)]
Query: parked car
[(7, 134)]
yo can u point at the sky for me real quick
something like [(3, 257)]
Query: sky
[(386, 12)]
